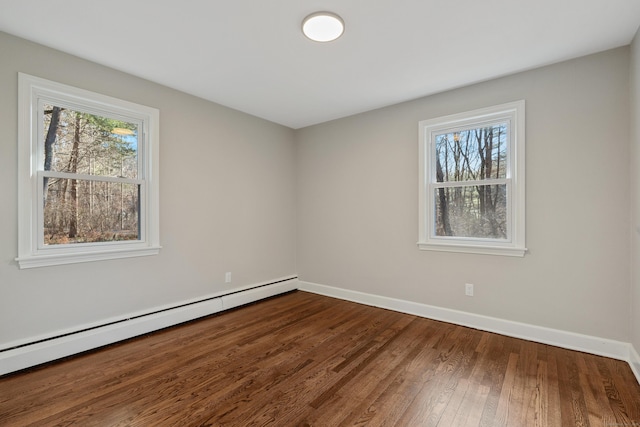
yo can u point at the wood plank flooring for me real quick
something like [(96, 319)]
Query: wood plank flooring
[(306, 360)]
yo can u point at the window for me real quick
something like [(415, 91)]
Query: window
[(472, 182), (88, 169)]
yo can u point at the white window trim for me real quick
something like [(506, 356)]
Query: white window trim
[(514, 245), (31, 90)]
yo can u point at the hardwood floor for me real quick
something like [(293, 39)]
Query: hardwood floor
[(307, 360)]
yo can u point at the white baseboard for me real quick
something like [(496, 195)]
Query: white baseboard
[(570, 340), (49, 349), (634, 361), (28, 355)]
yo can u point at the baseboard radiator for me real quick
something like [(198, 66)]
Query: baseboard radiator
[(45, 350)]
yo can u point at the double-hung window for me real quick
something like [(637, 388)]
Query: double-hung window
[(472, 182), (88, 176)]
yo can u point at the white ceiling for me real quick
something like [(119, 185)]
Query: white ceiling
[(250, 54)]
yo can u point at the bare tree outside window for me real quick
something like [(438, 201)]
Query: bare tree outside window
[(470, 206), (88, 168), (85, 207), (472, 181)]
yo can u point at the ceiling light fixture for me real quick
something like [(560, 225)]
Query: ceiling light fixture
[(323, 26)]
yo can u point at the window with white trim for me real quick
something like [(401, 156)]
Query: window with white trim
[(472, 181), (88, 176)]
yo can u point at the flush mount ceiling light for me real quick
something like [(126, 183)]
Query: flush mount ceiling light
[(323, 26)]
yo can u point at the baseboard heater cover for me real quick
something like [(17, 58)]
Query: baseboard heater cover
[(30, 355)]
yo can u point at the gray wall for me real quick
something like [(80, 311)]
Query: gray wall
[(226, 204), (635, 182), (357, 203)]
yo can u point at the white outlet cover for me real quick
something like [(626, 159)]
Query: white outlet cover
[(468, 289)]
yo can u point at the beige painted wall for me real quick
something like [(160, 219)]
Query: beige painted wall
[(357, 203), (635, 182), (226, 204)]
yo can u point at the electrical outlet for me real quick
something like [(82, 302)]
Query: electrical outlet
[(227, 277), (468, 289)]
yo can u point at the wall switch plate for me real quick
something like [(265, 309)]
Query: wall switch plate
[(227, 277)]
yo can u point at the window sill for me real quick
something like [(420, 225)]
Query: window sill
[(473, 249), (46, 260)]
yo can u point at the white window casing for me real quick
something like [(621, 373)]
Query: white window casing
[(513, 243), (33, 94)]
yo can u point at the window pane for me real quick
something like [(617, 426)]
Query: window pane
[(472, 211), (80, 211), (83, 143), (473, 154)]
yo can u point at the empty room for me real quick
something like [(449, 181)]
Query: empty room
[(323, 213)]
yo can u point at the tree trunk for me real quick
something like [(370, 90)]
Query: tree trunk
[(444, 207), (48, 146), (73, 193)]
